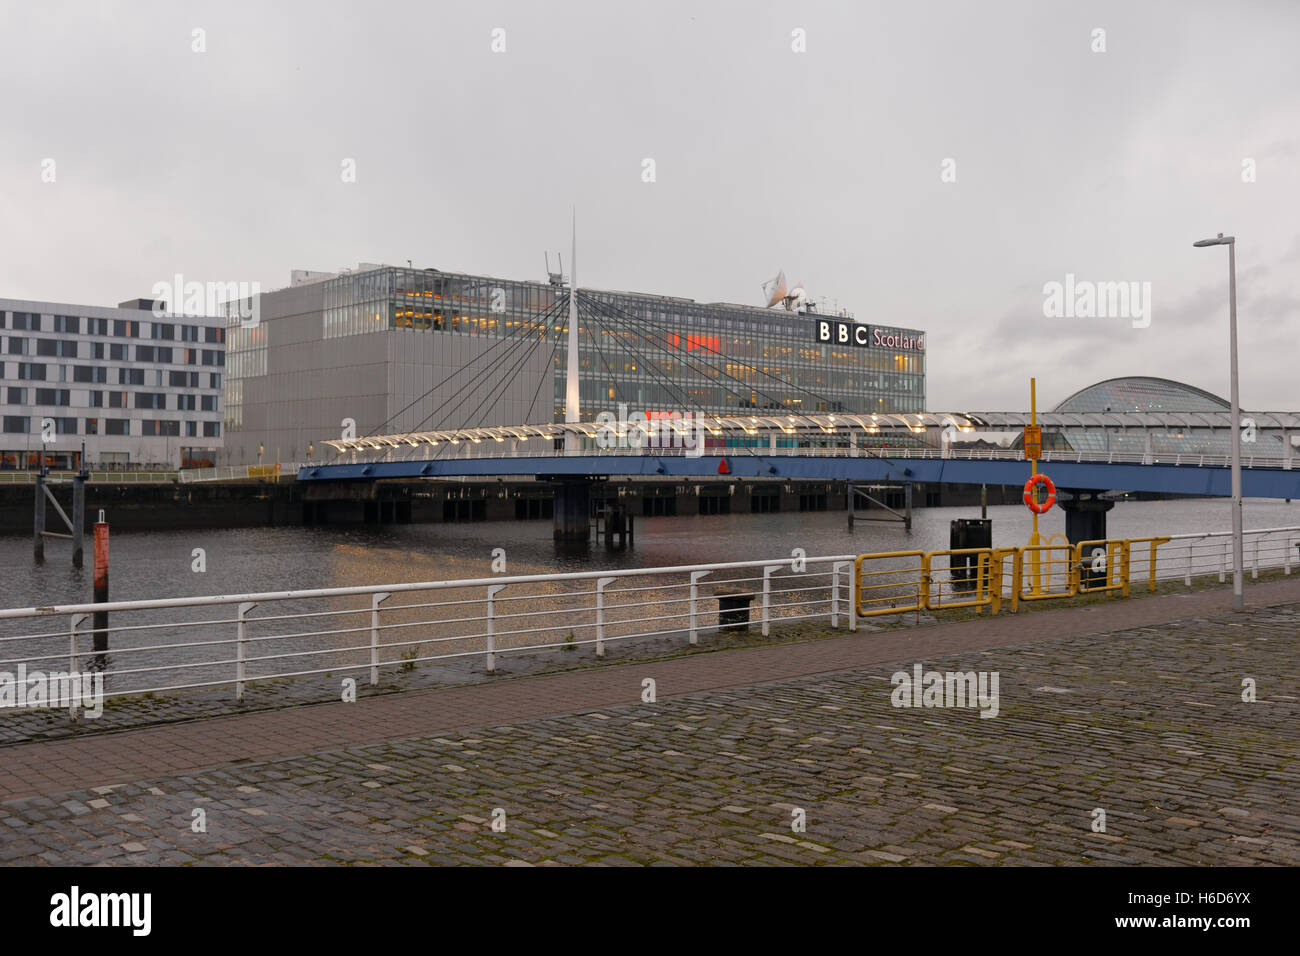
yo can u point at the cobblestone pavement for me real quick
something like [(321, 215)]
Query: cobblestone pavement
[(1147, 724)]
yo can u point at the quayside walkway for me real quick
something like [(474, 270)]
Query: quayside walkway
[(1132, 707)]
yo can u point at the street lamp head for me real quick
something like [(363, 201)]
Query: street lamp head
[(1222, 240)]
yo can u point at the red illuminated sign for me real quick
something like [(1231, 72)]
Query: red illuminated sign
[(708, 343)]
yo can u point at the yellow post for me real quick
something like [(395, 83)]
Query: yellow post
[(1035, 557)]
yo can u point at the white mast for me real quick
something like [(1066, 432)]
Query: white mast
[(571, 408)]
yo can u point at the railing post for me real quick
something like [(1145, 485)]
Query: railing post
[(1223, 566), (376, 599), (835, 591), (1254, 569), (853, 595), (1286, 554), (1188, 577), (491, 628), (767, 597), (242, 637), (77, 619), (695, 595), (600, 614)]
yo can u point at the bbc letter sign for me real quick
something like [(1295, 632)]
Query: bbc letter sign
[(830, 332)]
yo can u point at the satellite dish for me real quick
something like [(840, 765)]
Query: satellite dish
[(774, 289)]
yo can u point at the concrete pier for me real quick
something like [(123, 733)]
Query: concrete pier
[(573, 511)]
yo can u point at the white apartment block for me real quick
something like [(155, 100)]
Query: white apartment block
[(138, 389)]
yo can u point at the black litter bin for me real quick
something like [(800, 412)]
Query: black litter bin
[(968, 533)]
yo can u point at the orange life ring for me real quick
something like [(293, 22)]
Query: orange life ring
[(1030, 485)]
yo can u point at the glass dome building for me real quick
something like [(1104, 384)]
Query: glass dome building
[(1192, 434)]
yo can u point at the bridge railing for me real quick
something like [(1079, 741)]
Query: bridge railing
[(840, 449), (195, 643)]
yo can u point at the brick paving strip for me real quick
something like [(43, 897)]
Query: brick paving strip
[(118, 758)]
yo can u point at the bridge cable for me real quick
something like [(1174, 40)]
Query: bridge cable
[(867, 450), (681, 396), (543, 314), (785, 382), (710, 371), (480, 378)]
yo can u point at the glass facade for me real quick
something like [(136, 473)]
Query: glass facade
[(245, 358), (652, 353), (658, 354)]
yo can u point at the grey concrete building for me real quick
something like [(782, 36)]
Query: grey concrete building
[(138, 389), (296, 378)]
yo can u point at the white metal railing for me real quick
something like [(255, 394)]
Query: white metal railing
[(1185, 557), (237, 639), (1189, 556)]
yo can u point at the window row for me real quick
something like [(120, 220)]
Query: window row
[(67, 348), (116, 328), (147, 428), (18, 395), (42, 372)]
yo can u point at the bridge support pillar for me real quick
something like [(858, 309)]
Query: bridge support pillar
[(573, 511)]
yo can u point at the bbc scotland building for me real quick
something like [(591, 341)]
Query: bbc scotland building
[(391, 350), (136, 389)]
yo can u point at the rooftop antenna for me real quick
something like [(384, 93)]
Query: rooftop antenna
[(554, 278)]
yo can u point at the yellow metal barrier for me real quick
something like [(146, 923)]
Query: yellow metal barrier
[(892, 590), (973, 578), (1037, 574), (1151, 557), (1101, 566), (997, 574), (1039, 590)]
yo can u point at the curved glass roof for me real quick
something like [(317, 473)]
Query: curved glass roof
[(1142, 394)]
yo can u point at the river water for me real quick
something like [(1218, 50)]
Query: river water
[(159, 564)]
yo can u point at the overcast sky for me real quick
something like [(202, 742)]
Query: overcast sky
[(227, 164)]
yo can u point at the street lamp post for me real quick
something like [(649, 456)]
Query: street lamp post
[(1238, 599)]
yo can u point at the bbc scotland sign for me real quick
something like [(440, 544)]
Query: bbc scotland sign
[(830, 332)]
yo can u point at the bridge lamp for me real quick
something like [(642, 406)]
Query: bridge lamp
[(1238, 600)]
